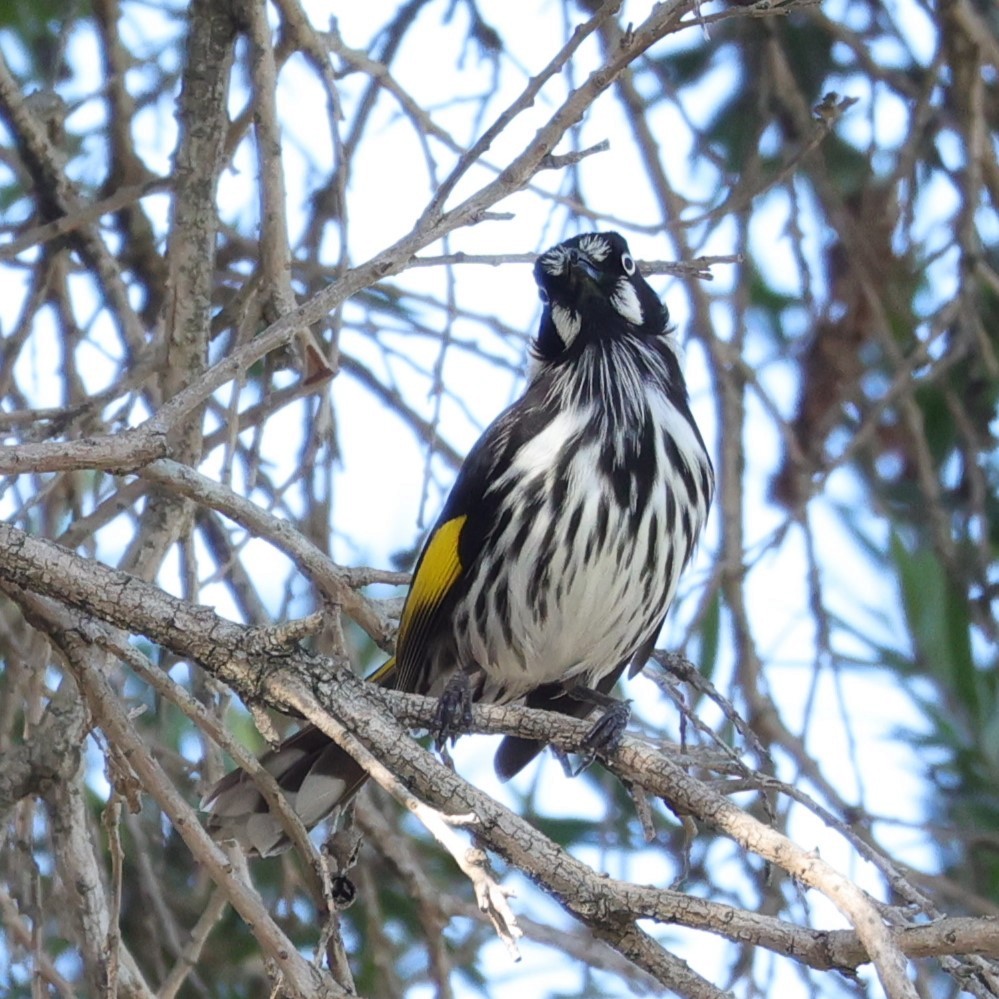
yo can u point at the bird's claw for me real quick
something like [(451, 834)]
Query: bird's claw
[(454, 711), (604, 735)]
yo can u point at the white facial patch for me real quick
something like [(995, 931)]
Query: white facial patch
[(625, 302), (595, 247), (554, 261), (567, 323)]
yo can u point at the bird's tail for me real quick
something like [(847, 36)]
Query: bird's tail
[(314, 774)]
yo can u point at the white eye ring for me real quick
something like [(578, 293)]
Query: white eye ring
[(628, 264), (544, 296)]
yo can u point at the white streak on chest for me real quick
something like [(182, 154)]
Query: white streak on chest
[(590, 613)]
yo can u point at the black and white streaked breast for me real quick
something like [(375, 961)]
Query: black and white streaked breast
[(603, 503)]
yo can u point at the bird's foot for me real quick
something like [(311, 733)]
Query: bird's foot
[(604, 734), (454, 711)]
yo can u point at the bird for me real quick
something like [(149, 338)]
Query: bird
[(558, 551)]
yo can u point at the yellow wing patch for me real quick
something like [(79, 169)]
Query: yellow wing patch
[(439, 567), (383, 673)]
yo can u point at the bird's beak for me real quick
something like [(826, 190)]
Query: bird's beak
[(580, 265)]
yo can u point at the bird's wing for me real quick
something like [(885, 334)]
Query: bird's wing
[(449, 553)]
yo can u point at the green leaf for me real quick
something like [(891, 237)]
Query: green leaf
[(938, 625), (707, 658)]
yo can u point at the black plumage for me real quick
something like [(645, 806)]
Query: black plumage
[(557, 553)]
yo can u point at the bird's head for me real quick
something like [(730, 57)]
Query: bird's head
[(591, 288)]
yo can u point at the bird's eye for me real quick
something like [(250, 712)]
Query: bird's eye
[(628, 264), (544, 296)]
